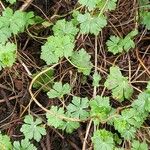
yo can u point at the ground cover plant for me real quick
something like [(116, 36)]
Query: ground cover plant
[(74, 75)]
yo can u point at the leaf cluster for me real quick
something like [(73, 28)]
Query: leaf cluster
[(14, 23), (58, 90), (31, 130), (62, 43), (100, 109), (117, 45), (11, 23), (132, 118), (76, 109)]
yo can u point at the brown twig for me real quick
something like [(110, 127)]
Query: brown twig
[(141, 62), (25, 5)]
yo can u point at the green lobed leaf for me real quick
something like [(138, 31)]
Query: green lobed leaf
[(5, 143), (96, 79), (55, 48), (100, 109), (118, 84), (91, 24), (107, 5), (134, 117), (23, 145), (136, 145), (124, 128), (74, 19), (103, 140), (81, 59), (78, 108), (53, 119), (63, 28), (59, 90), (145, 17), (127, 42), (142, 104), (32, 129), (69, 126), (7, 54), (116, 44), (91, 4)]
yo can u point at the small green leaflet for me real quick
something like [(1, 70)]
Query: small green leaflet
[(114, 45), (142, 104), (32, 129), (44, 81), (145, 17), (136, 145), (134, 117), (5, 143), (11, 1), (74, 19), (121, 124), (91, 24), (8, 26), (117, 45), (100, 4), (127, 42), (121, 89), (91, 4), (78, 108), (103, 140), (23, 145), (63, 28), (57, 47), (59, 90), (69, 126), (7, 54), (100, 109), (117, 138), (129, 134), (124, 128), (96, 79), (81, 59), (53, 119), (107, 5)]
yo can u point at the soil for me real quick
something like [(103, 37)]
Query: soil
[(14, 82)]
